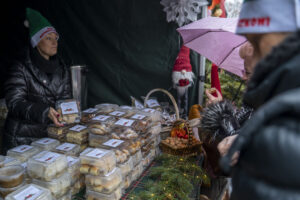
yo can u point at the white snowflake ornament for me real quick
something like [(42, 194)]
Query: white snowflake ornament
[(182, 11)]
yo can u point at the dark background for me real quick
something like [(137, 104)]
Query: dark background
[(127, 45)]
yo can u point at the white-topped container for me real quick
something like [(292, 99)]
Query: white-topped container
[(45, 144), (116, 195), (9, 161), (126, 167), (30, 192), (6, 191), (77, 134), (68, 149), (23, 152), (106, 107), (104, 184), (47, 165), (97, 162), (58, 187)]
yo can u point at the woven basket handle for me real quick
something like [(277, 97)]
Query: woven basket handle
[(169, 95)]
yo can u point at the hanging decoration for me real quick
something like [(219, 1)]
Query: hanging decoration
[(183, 11)]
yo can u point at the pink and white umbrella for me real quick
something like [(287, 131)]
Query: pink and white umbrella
[(215, 39)]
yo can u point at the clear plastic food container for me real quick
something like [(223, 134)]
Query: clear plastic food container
[(77, 134), (152, 113), (101, 128), (97, 140), (126, 167), (74, 168), (137, 158), (106, 107), (116, 195), (120, 147), (68, 149), (83, 147), (23, 152), (30, 192), (69, 111), (143, 122), (88, 114), (137, 171), (6, 191), (47, 165), (8, 161), (126, 181), (46, 144), (104, 184), (11, 176), (58, 187), (124, 129), (58, 133), (97, 162)]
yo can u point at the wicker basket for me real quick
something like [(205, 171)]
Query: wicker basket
[(190, 149)]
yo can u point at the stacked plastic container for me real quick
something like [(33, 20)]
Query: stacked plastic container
[(30, 192), (46, 144), (103, 179), (68, 149), (11, 179), (77, 180), (49, 170), (77, 134)]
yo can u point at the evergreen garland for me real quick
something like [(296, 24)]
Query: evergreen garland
[(173, 179)]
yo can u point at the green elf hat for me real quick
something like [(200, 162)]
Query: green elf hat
[(38, 26)]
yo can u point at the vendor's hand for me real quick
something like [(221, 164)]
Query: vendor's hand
[(212, 98), (53, 115), (225, 145)]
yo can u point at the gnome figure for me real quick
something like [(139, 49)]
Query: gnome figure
[(182, 77)]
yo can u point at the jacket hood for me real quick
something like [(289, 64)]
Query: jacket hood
[(276, 73)]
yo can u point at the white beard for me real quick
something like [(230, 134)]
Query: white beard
[(176, 76)]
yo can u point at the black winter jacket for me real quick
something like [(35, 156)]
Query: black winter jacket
[(29, 93), (269, 142)]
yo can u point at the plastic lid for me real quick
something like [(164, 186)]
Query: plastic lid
[(30, 192)]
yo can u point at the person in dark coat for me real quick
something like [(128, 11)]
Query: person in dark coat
[(34, 85), (268, 143)]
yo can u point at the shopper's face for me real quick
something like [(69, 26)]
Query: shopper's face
[(48, 45), (246, 53)]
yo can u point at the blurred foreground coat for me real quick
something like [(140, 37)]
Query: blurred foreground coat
[(268, 166)]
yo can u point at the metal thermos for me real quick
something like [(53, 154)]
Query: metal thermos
[(79, 84)]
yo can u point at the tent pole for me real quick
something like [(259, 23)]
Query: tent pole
[(202, 67)]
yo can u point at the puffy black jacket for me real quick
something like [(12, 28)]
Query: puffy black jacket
[(29, 93), (269, 142)]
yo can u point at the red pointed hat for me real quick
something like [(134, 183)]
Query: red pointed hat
[(182, 61)]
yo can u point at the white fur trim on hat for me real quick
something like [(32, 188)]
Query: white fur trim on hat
[(36, 38)]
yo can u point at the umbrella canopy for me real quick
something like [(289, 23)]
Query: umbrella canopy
[(215, 39)]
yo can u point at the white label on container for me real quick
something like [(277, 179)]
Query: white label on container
[(69, 108), (22, 148), (90, 110), (149, 110), (86, 150), (49, 157), (101, 118), (138, 104), (65, 147), (117, 113), (126, 107), (78, 128), (113, 143), (72, 161), (29, 193), (125, 122), (152, 103), (137, 116), (97, 153), (45, 141)]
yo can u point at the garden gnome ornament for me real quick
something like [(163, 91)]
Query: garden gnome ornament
[(182, 77)]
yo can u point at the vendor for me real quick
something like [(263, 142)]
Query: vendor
[(34, 85)]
